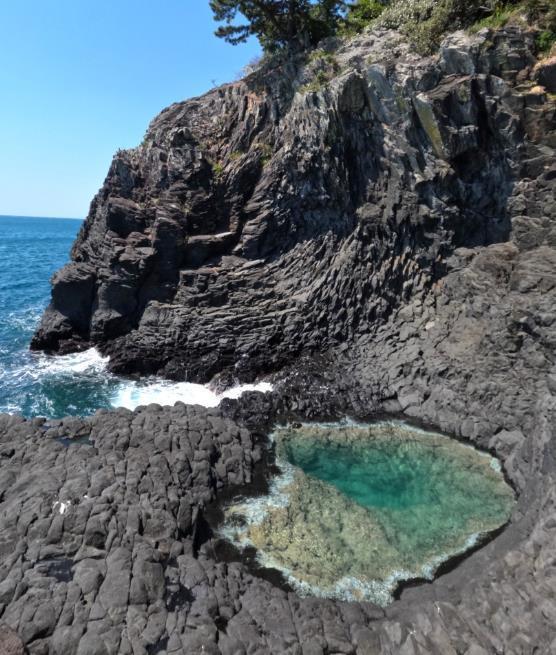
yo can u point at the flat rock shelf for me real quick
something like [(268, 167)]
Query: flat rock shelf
[(358, 508)]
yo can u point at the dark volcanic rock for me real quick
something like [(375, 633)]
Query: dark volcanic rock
[(545, 73), (273, 217), (105, 549), (97, 539), (387, 242)]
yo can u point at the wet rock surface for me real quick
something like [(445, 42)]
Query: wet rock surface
[(105, 548), (386, 243)]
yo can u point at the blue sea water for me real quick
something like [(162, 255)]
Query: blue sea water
[(31, 249), (34, 384)]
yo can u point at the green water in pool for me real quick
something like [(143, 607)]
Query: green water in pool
[(360, 507)]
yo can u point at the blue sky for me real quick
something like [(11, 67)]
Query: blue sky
[(81, 78)]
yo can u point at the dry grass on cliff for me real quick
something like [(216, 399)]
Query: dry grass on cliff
[(426, 22)]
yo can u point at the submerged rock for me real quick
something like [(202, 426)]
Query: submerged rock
[(359, 508)]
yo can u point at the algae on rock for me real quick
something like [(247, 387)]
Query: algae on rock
[(361, 507)]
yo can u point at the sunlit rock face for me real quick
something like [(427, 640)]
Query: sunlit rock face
[(358, 508)]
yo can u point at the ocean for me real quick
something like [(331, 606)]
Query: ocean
[(35, 384)]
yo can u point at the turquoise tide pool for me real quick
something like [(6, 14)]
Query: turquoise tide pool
[(358, 508)]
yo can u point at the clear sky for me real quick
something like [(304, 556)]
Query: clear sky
[(81, 78)]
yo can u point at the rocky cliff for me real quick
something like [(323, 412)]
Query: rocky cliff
[(297, 209), (378, 230)]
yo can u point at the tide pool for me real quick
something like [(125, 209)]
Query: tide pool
[(359, 508)]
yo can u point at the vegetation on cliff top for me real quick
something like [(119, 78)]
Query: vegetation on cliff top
[(540, 13), (294, 25), (278, 24)]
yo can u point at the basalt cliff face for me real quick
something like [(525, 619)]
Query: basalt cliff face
[(297, 209), (377, 230)]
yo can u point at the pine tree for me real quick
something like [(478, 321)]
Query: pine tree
[(363, 12), (278, 24)]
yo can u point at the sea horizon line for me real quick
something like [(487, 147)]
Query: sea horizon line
[(59, 218)]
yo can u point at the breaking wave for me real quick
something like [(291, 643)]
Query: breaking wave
[(80, 383), (35, 384), (162, 392)]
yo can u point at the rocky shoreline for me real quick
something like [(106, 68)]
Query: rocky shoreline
[(384, 243), (105, 549)]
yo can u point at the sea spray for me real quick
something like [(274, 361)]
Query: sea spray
[(154, 390), (80, 383), (37, 384)]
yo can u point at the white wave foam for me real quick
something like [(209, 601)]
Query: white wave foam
[(133, 394), (236, 392), (35, 367), (24, 320), (85, 362), (90, 365)]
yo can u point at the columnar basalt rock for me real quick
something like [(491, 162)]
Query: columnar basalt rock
[(276, 216), (105, 548), (383, 238)]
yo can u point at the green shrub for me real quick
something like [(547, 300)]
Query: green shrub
[(323, 65), (217, 169), (319, 82), (499, 17), (426, 22), (286, 25), (538, 13), (543, 14), (265, 151), (545, 40), (363, 13), (323, 58)]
